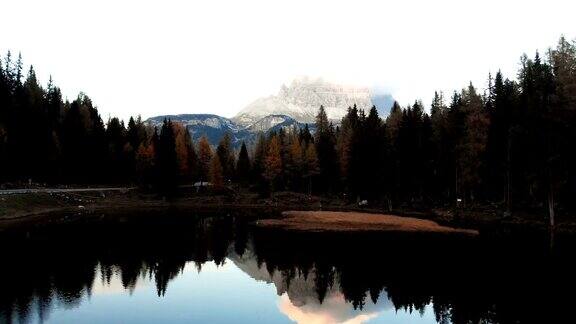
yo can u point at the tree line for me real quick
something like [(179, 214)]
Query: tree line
[(511, 146), (46, 139)]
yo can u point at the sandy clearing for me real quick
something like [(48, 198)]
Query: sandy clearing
[(329, 221)]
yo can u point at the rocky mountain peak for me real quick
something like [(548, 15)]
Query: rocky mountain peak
[(303, 96)]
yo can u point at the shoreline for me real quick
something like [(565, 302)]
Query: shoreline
[(29, 209)]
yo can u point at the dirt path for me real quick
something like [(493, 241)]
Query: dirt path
[(321, 221), (63, 190)]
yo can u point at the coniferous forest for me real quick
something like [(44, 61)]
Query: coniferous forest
[(511, 146)]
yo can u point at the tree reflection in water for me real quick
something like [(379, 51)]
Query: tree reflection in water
[(464, 280)]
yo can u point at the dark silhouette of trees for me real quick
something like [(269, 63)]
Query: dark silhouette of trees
[(243, 166), (204, 158), (118, 150), (511, 147), (216, 175), (273, 160), (167, 159), (226, 156), (311, 166), (325, 141)]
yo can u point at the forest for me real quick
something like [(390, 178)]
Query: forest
[(510, 146)]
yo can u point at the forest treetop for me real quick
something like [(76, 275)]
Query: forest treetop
[(511, 145)]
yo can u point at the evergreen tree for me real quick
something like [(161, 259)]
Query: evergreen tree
[(511, 146), (326, 150), (145, 164), (305, 136), (311, 166), (243, 166), (294, 163), (216, 176), (226, 156), (502, 110), (193, 160), (440, 149), (273, 166), (117, 161), (348, 128), (204, 158), (473, 144), (183, 142), (259, 162), (393, 122), (167, 160)]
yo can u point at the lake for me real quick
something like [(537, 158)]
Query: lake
[(182, 267)]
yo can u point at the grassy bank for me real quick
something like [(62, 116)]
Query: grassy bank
[(34, 208), (339, 221)]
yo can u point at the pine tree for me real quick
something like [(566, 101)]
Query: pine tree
[(216, 173), (183, 142), (348, 128), (145, 164), (473, 144), (117, 161), (562, 119), (305, 136), (243, 166), (167, 160), (193, 160), (273, 166), (393, 122), (294, 162), (326, 150), (259, 159), (226, 156), (375, 155), (311, 166), (204, 158), (440, 149), (563, 63)]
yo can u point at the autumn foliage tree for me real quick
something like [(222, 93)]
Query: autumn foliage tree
[(204, 158), (311, 167), (216, 175), (273, 166), (510, 146)]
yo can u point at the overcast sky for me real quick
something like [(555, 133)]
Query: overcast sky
[(167, 57)]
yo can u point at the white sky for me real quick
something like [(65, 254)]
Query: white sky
[(166, 57)]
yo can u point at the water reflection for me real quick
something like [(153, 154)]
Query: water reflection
[(299, 299), (318, 278)]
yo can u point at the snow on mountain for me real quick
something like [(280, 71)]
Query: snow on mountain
[(299, 297), (303, 97), (273, 122), (207, 120), (293, 106), (214, 126), (211, 126)]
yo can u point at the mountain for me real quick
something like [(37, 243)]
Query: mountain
[(293, 106), (299, 294), (302, 98), (214, 126), (273, 123), (198, 125)]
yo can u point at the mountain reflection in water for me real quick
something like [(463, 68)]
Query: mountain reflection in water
[(317, 277)]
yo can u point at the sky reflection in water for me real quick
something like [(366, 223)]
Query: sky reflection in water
[(213, 269), (220, 294)]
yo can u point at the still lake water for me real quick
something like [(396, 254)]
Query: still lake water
[(174, 267)]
